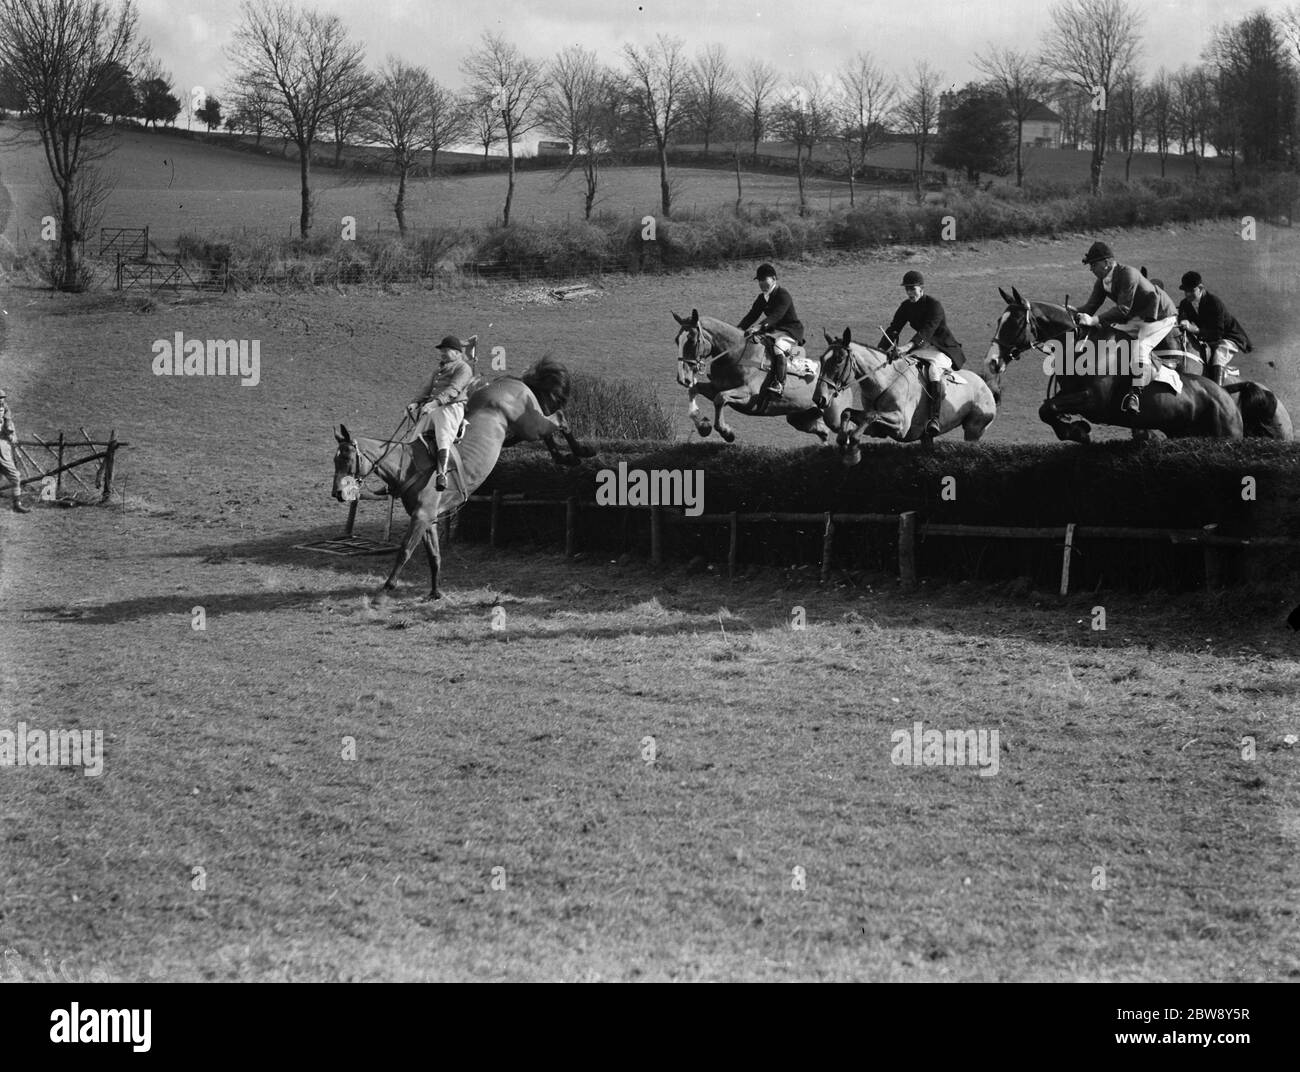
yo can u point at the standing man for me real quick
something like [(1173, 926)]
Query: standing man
[(1206, 319), (1141, 309), (933, 345), (441, 405), (773, 313), (8, 465)]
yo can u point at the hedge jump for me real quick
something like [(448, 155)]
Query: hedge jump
[(910, 532)]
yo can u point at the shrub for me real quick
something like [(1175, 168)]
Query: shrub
[(600, 408)]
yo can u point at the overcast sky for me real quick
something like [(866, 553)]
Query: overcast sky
[(189, 36)]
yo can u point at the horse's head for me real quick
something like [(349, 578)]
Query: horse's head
[(350, 467), (837, 369), (694, 348)]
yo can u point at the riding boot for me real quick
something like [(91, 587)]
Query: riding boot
[(1215, 372), (936, 393), (440, 481), (776, 383), (1132, 401)]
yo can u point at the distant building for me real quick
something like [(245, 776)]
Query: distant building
[(1041, 129), (552, 148)]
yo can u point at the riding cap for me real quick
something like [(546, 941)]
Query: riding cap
[(1098, 251), (913, 279), (450, 343), (765, 271), (1191, 280)]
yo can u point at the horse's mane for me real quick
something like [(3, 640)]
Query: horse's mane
[(549, 381), (1256, 403), (728, 333)]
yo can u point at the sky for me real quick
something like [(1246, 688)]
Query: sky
[(797, 36)]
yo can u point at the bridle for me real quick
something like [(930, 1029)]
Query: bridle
[(842, 381), (1013, 352), (696, 337)]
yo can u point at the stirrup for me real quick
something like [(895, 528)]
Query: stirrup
[(776, 388), (440, 482), (932, 427), (1132, 403)]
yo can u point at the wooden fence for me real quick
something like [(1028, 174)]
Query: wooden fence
[(62, 451), (911, 530)]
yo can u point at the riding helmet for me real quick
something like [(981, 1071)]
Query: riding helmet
[(450, 342), (913, 279), (765, 271), (1190, 281), (1098, 251)]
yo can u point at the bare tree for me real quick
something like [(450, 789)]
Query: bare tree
[(514, 85), (1193, 111), (449, 120), (575, 109), (918, 114), (353, 100), (659, 76), (867, 97), (251, 107), (1020, 79), (62, 56), (804, 117), (399, 121), (484, 120), (712, 83), (307, 61), (1130, 103), (1160, 98), (1092, 43), (757, 85)]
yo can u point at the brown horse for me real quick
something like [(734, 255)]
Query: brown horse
[(886, 398), (503, 411), (735, 376), (1201, 408)]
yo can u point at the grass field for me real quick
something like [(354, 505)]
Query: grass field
[(524, 748), (174, 185)]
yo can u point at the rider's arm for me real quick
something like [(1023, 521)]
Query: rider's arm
[(929, 326), (1095, 300), (755, 311), (778, 307), (1127, 292), (890, 338), (1212, 319), (452, 391)]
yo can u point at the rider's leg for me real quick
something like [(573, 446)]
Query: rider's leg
[(782, 344), (9, 469), (1147, 334), (446, 420), (935, 388), (1220, 359)]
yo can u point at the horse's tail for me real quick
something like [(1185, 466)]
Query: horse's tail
[(1258, 406), (549, 381)]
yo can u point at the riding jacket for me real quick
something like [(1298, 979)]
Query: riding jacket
[(926, 317), (448, 384), (776, 311), (1134, 295), (1215, 322)]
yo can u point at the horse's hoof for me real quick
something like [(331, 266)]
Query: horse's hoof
[(729, 437), (852, 457), (431, 597), (704, 429)]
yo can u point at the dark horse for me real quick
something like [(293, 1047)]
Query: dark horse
[(500, 413), (1201, 408)]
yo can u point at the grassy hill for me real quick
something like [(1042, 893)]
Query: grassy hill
[(176, 183)]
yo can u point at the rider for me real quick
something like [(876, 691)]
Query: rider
[(1141, 309), (932, 344), (8, 467), (1204, 317), (441, 405), (773, 313)]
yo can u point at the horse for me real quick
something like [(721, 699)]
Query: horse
[(885, 394), (505, 410), (1262, 414), (735, 378), (1201, 408)]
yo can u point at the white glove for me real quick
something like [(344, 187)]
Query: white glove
[(1087, 320)]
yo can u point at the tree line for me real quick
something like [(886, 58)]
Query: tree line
[(78, 66)]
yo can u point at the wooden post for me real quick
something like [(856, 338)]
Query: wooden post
[(731, 547), (1213, 560), (656, 536), (828, 535), (1065, 559), (494, 518), (58, 479), (570, 527), (108, 465), (907, 549), (352, 516)]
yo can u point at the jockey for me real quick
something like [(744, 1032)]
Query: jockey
[(8, 437), (773, 312), (441, 405), (1141, 309), (932, 344), (1206, 319)]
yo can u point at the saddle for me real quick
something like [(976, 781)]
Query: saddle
[(797, 361)]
